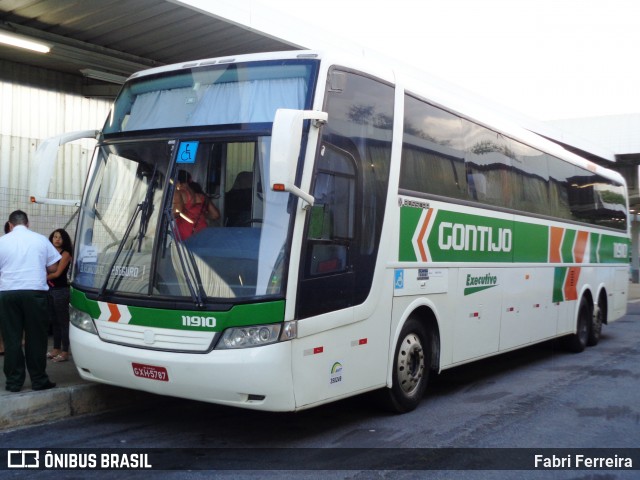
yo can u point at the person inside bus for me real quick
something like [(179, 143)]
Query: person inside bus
[(192, 209)]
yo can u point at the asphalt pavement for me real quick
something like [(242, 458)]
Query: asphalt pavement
[(73, 396), (70, 397)]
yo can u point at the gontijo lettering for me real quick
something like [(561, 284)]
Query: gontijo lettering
[(458, 236)]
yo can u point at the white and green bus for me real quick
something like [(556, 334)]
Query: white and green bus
[(372, 230)]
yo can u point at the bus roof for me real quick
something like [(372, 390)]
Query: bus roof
[(430, 89)]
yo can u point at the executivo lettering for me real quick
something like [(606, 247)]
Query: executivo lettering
[(459, 236), (477, 283)]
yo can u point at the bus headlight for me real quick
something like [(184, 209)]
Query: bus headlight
[(82, 320), (253, 336)]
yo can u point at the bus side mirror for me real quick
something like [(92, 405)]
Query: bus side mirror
[(44, 164), (286, 138)]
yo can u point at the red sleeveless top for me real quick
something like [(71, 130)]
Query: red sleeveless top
[(196, 212)]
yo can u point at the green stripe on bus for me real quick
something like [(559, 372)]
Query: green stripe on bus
[(594, 240), (239, 315), (559, 275), (461, 237), (607, 251), (80, 301), (409, 218), (472, 290), (531, 243), (567, 245)]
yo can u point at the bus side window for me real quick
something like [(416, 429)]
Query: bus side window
[(331, 220)]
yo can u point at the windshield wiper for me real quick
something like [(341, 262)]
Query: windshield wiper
[(120, 248), (147, 208), (196, 291)]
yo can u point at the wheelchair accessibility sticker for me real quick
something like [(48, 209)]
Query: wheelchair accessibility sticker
[(399, 279), (187, 152)]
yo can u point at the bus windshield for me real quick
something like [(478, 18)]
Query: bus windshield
[(205, 229), (175, 204), (228, 94)]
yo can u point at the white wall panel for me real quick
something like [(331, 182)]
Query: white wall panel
[(27, 116)]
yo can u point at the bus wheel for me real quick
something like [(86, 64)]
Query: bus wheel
[(411, 365), (596, 326), (577, 342)]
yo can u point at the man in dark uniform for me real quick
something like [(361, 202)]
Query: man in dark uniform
[(25, 259)]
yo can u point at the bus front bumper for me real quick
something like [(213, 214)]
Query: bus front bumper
[(255, 378)]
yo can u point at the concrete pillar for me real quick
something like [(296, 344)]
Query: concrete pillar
[(635, 262)]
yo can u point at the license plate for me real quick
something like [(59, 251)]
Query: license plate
[(150, 371)]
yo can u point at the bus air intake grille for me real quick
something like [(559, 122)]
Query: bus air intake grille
[(156, 338)]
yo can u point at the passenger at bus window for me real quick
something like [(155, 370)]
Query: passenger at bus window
[(192, 209)]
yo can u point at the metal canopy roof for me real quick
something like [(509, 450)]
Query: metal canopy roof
[(123, 36), (119, 37)]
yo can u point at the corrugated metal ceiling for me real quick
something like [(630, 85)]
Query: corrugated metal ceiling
[(122, 36)]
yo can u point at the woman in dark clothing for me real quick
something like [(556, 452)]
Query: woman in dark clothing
[(59, 296)]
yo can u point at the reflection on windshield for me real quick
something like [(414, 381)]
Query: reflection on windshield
[(222, 94), (203, 228)]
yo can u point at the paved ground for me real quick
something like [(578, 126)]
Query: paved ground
[(74, 396)]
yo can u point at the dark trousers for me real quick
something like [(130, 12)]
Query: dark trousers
[(25, 311), (59, 308)]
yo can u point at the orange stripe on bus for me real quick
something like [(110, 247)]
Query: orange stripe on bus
[(580, 246), (571, 283), (423, 232), (115, 313), (555, 244)]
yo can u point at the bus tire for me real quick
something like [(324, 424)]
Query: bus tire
[(411, 366), (596, 326), (577, 342)]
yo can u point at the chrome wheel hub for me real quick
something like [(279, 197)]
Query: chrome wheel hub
[(410, 363)]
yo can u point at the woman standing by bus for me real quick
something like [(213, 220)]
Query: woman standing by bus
[(59, 296)]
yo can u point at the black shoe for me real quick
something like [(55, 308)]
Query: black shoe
[(46, 386), (13, 389)]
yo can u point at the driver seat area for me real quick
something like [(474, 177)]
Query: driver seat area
[(238, 201)]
